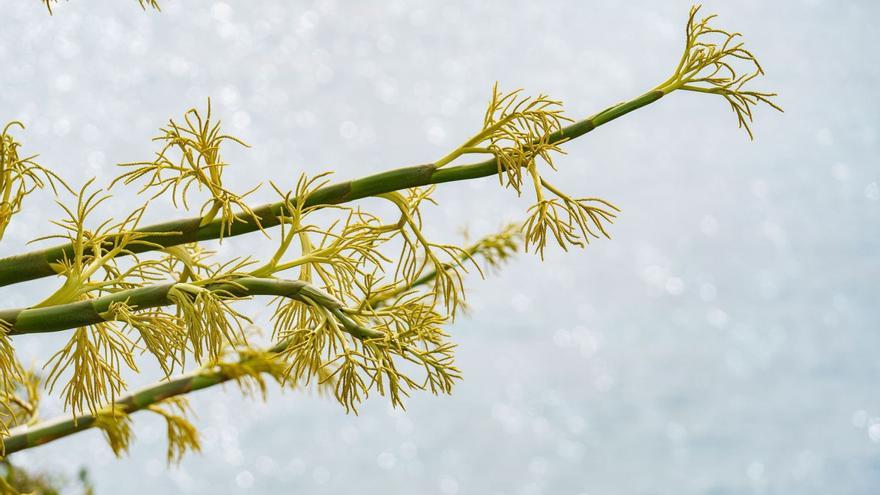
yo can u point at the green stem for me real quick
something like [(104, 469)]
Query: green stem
[(25, 437), (29, 436), (38, 264), (83, 313)]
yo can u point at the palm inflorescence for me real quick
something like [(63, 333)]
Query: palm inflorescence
[(361, 300)]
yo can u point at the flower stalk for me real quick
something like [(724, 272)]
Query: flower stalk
[(351, 318), (39, 264), (493, 250), (84, 313)]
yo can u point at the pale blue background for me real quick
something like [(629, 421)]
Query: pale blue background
[(724, 342)]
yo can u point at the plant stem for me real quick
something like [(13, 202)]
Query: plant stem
[(25, 437), (29, 436), (38, 264), (83, 313)]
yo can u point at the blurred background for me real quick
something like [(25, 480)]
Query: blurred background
[(725, 341)]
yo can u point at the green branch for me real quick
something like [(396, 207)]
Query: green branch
[(38, 264), (523, 127), (29, 436), (84, 313), (25, 437)]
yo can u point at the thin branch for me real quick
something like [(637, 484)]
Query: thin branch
[(98, 310)]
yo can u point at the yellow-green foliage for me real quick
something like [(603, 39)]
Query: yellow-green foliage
[(182, 435), (19, 397), (360, 300), (18, 176), (712, 62), (190, 156)]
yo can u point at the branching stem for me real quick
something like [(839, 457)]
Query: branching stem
[(38, 264), (29, 436), (84, 313)]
